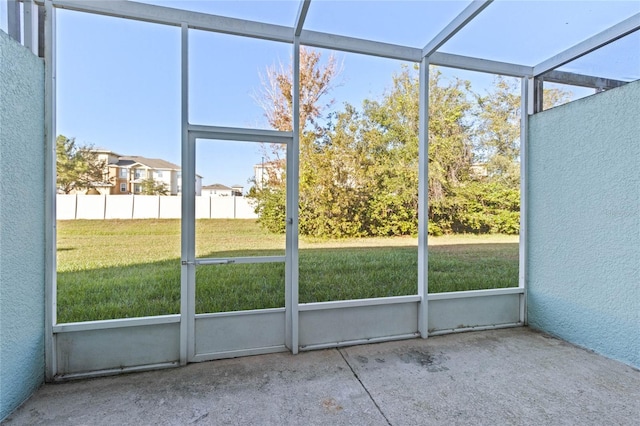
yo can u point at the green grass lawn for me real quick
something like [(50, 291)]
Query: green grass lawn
[(129, 268)]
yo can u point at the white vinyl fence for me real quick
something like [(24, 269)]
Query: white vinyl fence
[(79, 206)]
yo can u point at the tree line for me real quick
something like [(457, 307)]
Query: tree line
[(359, 165)]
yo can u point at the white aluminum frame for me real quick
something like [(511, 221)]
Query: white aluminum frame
[(188, 208), (240, 333), (246, 28), (581, 80), (302, 15), (239, 134), (192, 132), (50, 309), (525, 95), (293, 169), (191, 262), (423, 200), (478, 315), (13, 19), (603, 38), (466, 16), (30, 19)]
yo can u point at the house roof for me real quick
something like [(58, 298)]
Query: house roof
[(217, 186), (270, 164), (125, 163), (152, 163), (100, 150)]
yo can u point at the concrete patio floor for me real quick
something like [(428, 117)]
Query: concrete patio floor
[(510, 376)]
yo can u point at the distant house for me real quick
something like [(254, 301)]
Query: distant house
[(266, 171), (220, 190), (238, 190), (127, 173), (479, 170)]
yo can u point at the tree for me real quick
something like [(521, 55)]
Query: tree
[(394, 205), (316, 81), (77, 166), (150, 187), (497, 132), (359, 168), (336, 178), (276, 99), (359, 172)]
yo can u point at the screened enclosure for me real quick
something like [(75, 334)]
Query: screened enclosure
[(239, 299)]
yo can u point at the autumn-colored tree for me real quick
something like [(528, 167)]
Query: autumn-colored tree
[(359, 173), (316, 81), (276, 99), (359, 167)]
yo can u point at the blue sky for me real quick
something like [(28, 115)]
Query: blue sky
[(119, 80)]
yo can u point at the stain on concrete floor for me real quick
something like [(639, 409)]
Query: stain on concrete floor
[(512, 376)]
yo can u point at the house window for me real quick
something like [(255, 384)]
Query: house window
[(159, 174), (137, 188), (123, 187), (138, 173), (123, 173), (179, 189)]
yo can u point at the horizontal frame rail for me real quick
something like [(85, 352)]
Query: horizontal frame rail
[(480, 65), (234, 260), (221, 24), (362, 46), (338, 304), (115, 323), (115, 371), (175, 17), (303, 307), (239, 134), (477, 328), (599, 40), (197, 20), (581, 80), (239, 313), (239, 353), (475, 293), (359, 342)]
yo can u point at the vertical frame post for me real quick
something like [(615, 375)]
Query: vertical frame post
[(293, 166), (30, 25), (423, 201), (529, 102), (187, 274), (51, 367), (40, 31), (537, 94), (522, 247), (13, 20)]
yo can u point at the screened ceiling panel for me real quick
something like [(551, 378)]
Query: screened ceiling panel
[(407, 23), (529, 32), (282, 12), (619, 60)]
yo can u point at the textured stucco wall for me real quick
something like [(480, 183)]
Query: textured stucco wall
[(584, 229), (21, 224)]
